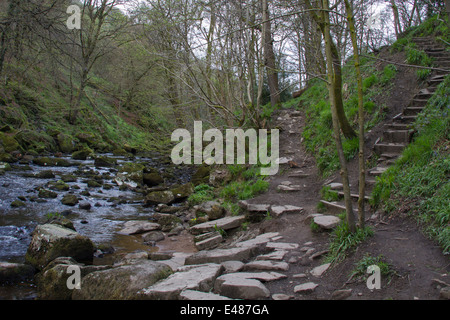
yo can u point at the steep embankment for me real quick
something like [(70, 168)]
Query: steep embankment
[(34, 109)]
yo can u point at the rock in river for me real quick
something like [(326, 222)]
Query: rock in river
[(50, 241)]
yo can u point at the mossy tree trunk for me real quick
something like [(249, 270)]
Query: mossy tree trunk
[(331, 72), (320, 19), (362, 169)]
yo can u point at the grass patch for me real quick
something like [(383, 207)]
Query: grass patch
[(202, 193), (362, 265), (342, 240)]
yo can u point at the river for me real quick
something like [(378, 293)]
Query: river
[(110, 207)]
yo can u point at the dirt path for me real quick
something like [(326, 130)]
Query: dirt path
[(419, 267)]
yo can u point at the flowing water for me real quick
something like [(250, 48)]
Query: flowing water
[(110, 207)]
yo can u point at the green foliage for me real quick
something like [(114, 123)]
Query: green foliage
[(328, 195), (202, 193), (389, 73), (242, 190), (342, 240), (361, 266), (418, 57)]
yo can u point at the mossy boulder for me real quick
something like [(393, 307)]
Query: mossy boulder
[(103, 161), (52, 281), (65, 143), (132, 172), (50, 241), (51, 162), (183, 192), (94, 184), (34, 141), (157, 197), (45, 174), (9, 143), (47, 194), (11, 273), (212, 209), (18, 204), (201, 175), (152, 179), (6, 157), (87, 138), (5, 166), (69, 200), (58, 186), (168, 221), (82, 154), (120, 152)]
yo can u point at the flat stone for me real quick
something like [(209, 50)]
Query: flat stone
[(222, 255), (138, 227), (260, 239), (283, 160), (258, 207), (233, 266), (282, 245), (320, 270), (275, 255), (209, 242), (281, 296), (223, 223), (445, 293), (121, 283), (194, 295), (200, 278), (336, 186), (267, 265), (327, 222), (341, 294), (305, 288), (176, 261), (279, 210), (245, 285), (290, 188)]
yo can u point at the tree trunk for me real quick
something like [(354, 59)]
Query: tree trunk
[(269, 57), (335, 64), (398, 28), (362, 169), (337, 135)]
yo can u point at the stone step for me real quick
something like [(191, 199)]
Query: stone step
[(378, 171), (381, 148), (418, 103), (354, 196), (397, 126), (226, 223), (397, 136), (412, 111), (436, 52), (333, 205), (424, 94)]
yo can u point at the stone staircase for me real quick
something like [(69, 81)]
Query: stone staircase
[(399, 132)]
